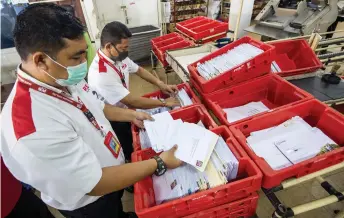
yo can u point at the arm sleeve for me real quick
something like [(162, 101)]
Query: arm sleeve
[(133, 68), (112, 90), (57, 162)]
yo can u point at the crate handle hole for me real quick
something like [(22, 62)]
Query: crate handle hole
[(245, 126), (231, 92)]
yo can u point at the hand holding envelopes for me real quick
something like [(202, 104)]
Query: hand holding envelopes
[(195, 144)]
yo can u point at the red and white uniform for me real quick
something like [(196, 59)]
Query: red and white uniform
[(51, 145), (105, 75)]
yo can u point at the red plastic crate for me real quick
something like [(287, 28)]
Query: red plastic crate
[(238, 209), (272, 90), (203, 29), (295, 57), (252, 68), (168, 42), (314, 113), (185, 86), (164, 37), (191, 114), (247, 182)]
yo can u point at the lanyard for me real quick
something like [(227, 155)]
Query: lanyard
[(119, 72), (80, 105)]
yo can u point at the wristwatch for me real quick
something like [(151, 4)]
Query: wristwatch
[(161, 169), (162, 101)]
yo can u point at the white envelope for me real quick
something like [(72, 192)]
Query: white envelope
[(244, 111), (195, 145)]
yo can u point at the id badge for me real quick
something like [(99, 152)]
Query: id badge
[(112, 144)]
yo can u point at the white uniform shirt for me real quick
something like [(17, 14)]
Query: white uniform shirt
[(50, 144), (105, 80)]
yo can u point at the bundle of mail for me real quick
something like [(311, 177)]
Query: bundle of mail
[(244, 111), (289, 143), (227, 61), (181, 95), (208, 160)]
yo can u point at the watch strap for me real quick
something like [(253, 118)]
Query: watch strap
[(161, 166), (162, 101)]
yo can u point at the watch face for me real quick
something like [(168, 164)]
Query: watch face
[(162, 171)]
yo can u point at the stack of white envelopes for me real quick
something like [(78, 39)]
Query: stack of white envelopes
[(208, 160), (289, 143), (244, 111), (232, 58)]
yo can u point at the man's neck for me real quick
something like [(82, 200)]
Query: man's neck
[(38, 76), (107, 54)]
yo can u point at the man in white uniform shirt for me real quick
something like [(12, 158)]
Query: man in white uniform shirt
[(109, 76), (55, 133)]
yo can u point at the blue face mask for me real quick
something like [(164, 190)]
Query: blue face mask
[(75, 74)]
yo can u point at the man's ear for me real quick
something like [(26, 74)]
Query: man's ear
[(40, 60), (108, 46)]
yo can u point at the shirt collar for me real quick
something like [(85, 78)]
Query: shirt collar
[(30, 78), (106, 57)]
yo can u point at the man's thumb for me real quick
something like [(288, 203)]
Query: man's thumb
[(175, 147)]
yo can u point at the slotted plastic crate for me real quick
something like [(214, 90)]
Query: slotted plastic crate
[(295, 57), (252, 68), (248, 181), (273, 91), (244, 208), (202, 29), (169, 41), (191, 114), (315, 114)]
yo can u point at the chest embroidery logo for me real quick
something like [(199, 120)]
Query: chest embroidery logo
[(86, 88)]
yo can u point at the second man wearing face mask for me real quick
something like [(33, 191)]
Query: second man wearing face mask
[(109, 75)]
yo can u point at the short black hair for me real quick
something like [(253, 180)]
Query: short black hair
[(42, 27), (114, 32)]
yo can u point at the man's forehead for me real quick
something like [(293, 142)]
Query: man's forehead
[(74, 46), (124, 42)]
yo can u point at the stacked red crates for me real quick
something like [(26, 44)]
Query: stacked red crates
[(191, 114), (168, 42), (243, 188), (202, 29), (273, 91), (255, 67), (295, 57), (196, 30)]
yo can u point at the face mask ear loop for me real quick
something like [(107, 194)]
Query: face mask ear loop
[(49, 75), (56, 61)]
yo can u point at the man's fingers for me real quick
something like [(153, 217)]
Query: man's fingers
[(144, 116), (139, 123), (174, 148), (175, 88), (149, 117)]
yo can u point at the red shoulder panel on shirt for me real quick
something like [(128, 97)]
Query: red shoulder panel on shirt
[(102, 67), (22, 119)]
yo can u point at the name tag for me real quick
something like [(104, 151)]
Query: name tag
[(112, 144)]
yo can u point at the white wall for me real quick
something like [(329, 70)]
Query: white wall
[(140, 12)]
